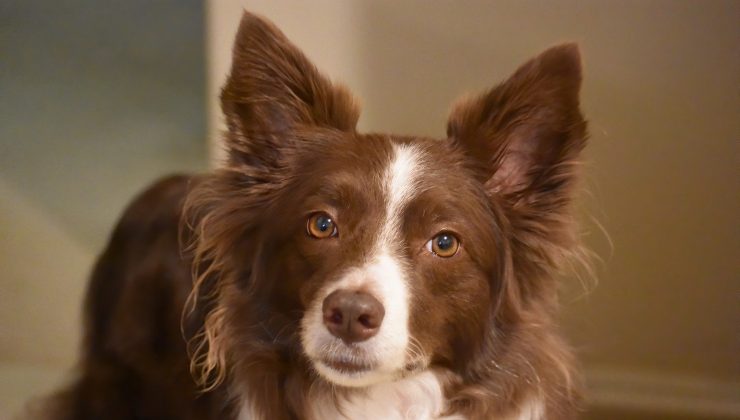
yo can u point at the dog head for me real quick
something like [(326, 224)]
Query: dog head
[(364, 257)]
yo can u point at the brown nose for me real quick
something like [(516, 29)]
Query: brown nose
[(352, 316)]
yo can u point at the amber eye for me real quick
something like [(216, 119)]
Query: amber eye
[(321, 226), (445, 244)]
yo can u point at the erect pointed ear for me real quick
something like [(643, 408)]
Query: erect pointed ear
[(273, 88), (526, 134)]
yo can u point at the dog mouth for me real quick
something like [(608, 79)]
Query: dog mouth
[(348, 366), (353, 366)]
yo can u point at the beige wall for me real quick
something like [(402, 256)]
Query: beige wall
[(661, 92)]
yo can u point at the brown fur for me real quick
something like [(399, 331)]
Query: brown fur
[(505, 181), (134, 364)]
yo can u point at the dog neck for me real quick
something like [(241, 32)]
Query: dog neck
[(419, 396), (416, 397)]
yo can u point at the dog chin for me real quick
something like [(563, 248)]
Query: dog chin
[(350, 374)]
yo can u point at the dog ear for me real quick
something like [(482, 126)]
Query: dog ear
[(273, 88), (525, 135)]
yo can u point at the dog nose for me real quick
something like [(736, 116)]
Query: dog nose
[(352, 316)]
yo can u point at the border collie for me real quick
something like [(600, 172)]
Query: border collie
[(324, 273)]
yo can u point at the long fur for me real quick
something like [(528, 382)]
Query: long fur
[(483, 338)]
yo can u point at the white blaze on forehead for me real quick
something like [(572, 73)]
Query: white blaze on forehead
[(401, 180)]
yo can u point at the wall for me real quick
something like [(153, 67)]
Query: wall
[(659, 332), (97, 99)]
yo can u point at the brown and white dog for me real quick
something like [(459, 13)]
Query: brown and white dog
[(345, 275)]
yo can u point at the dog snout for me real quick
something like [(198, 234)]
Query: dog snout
[(352, 316)]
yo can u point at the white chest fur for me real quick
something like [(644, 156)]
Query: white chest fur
[(417, 397)]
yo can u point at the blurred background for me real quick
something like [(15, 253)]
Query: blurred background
[(98, 98)]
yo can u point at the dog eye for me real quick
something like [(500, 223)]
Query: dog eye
[(445, 244), (321, 226)]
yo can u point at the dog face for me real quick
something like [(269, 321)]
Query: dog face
[(379, 246), (366, 257)]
